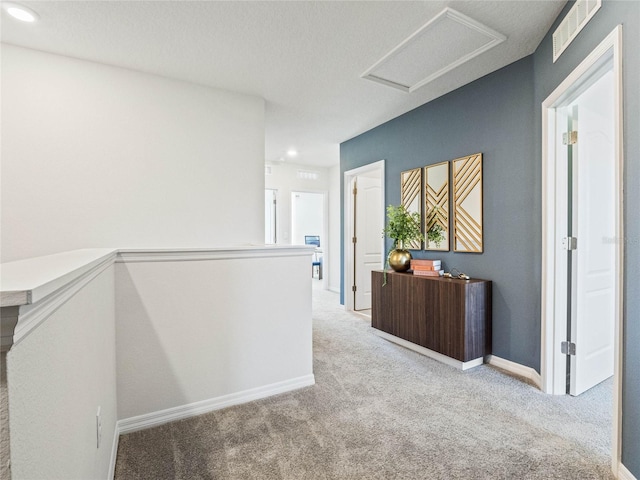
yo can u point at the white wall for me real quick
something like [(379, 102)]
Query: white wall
[(58, 376), (94, 156), (197, 330), (284, 179), (159, 335), (335, 212)]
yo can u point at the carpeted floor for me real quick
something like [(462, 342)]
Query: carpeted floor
[(379, 411)]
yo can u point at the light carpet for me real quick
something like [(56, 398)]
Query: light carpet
[(379, 411)]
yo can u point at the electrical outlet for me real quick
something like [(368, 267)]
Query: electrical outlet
[(98, 428)]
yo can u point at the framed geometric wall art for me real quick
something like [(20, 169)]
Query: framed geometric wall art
[(436, 217), (410, 197), (467, 204)]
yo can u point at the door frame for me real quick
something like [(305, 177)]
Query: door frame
[(275, 223), (554, 210), (348, 212)]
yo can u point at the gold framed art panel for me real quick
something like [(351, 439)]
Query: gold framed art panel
[(467, 204), (410, 197), (436, 206)]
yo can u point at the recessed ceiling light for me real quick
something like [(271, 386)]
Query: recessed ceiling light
[(20, 12), (292, 152)]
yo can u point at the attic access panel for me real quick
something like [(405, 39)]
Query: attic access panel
[(442, 44)]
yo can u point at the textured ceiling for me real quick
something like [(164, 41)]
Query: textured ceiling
[(304, 57)]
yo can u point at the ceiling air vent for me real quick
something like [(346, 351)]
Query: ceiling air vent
[(442, 44), (576, 19)]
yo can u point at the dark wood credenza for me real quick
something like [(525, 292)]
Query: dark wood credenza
[(450, 317)]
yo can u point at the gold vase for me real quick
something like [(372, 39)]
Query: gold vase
[(400, 260)]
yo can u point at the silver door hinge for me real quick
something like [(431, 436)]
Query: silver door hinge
[(354, 288), (568, 348), (570, 243), (570, 138)]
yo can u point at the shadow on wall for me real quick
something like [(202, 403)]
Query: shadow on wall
[(146, 379)]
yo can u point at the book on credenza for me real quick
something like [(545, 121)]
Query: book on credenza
[(431, 265), (426, 263), (426, 268), (428, 273)]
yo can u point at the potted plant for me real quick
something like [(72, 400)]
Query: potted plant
[(402, 227), (435, 232)]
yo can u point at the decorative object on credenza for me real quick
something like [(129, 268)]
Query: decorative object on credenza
[(427, 268), (402, 227), (410, 198), (436, 202), (467, 204), (399, 259), (455, 273)]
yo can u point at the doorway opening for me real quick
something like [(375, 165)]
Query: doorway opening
[(363, 241), (308, 219), (582, 212)]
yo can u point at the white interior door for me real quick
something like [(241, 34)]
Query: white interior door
[(368, 231), (593, 264)]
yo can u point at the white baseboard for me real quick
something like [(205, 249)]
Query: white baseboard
[(430, 353), (160, 417), (114, 452), (517, 369), (624, 473)]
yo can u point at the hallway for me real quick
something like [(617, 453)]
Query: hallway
[(381, 411)]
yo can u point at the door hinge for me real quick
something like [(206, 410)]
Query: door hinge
[(354, 239), (570, 138), (355, 190), (354, 288), (568, 348), (570, 243)]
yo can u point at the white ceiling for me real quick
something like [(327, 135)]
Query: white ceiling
[(304, 57)]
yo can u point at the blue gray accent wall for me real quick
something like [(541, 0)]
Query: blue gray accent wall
[(494, 116), (547, 76), (500, 116)]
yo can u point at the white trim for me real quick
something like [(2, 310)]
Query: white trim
[(114, 452), (24, 282), (42, 285), (223, 253), (154, 419), (347, 265), (32, 316), (624, 473), (551, 325), (452, 362), (616, 447), (516, 369), (27, 282)]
